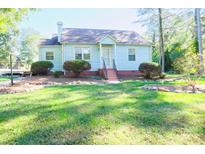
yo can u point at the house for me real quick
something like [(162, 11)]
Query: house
[(110, 52)]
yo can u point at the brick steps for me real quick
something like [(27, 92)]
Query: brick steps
[(112, 75)]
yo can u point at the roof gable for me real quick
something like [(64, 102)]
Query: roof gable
[(107, 40)]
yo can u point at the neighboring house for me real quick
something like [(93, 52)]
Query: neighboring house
[(109, 52)]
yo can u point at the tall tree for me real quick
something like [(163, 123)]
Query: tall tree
[(199, 38), (153, 19), (29, 46), (161, 40), (175, 27), (9, 19)]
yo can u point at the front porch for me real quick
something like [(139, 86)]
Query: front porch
[(107, 49)]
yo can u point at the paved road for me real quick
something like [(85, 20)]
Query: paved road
[(4, 71)]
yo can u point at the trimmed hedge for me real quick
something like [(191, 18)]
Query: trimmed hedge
[(57, 74), (150, 70), (41, 67), (76, 66)]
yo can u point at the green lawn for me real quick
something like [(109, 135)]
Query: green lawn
[(102, 114), (4, 79)]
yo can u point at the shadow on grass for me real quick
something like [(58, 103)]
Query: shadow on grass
[(76, 121)]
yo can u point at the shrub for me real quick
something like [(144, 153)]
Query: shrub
[(76, 66), (162, 75), (41, 67), (150, 70), (189, 65), (57, 74)]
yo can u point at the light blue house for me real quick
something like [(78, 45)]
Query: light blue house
[(109, 52)]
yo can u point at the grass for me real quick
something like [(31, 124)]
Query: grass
[(4, 79), (102, 114)]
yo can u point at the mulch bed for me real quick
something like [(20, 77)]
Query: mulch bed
[(28, 84), (174, 88)]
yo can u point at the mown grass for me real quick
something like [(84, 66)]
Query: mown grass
[(102, 114), (4, 79)]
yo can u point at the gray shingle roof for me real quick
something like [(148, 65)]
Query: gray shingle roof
[(51, 41), (93, 36)]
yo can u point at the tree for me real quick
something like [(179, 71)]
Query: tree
[(188, 64), (176, 30), (29, 46), (199, 38), (9, 18), (161, 40), (148, 18), (8, 45), (153, 19)]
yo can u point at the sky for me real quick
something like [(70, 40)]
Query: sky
[(44, 21)]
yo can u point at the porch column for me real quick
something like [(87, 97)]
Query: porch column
[(101, 65), (115, 54), (115, 51)]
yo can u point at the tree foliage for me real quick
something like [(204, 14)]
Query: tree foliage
[(178, 32), (9, 19), (188, 64), (29, 46)]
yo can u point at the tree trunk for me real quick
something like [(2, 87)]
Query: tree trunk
[(161, 40), (199, 39), (11, 69), (153, 41)]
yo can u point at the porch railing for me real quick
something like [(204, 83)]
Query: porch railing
[(104, 69), (114, 64), (115, 67)]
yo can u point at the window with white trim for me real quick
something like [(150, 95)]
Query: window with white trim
[(131, 54), (82, 53), (49, 55)]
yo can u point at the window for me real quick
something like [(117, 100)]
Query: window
[(131, 54), (49, 56), (78, 53), (86, 53), (82, 53)]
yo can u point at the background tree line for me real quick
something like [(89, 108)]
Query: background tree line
[(23, 44), (173, 34)]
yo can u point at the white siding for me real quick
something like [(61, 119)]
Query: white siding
[(143, 54), (57, 62), (69, 54)]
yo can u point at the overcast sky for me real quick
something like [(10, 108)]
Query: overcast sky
[(44, 20)]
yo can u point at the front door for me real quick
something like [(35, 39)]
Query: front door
[(107, 56)]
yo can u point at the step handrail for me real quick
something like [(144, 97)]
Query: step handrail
[(104, 69), (114, 64)]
